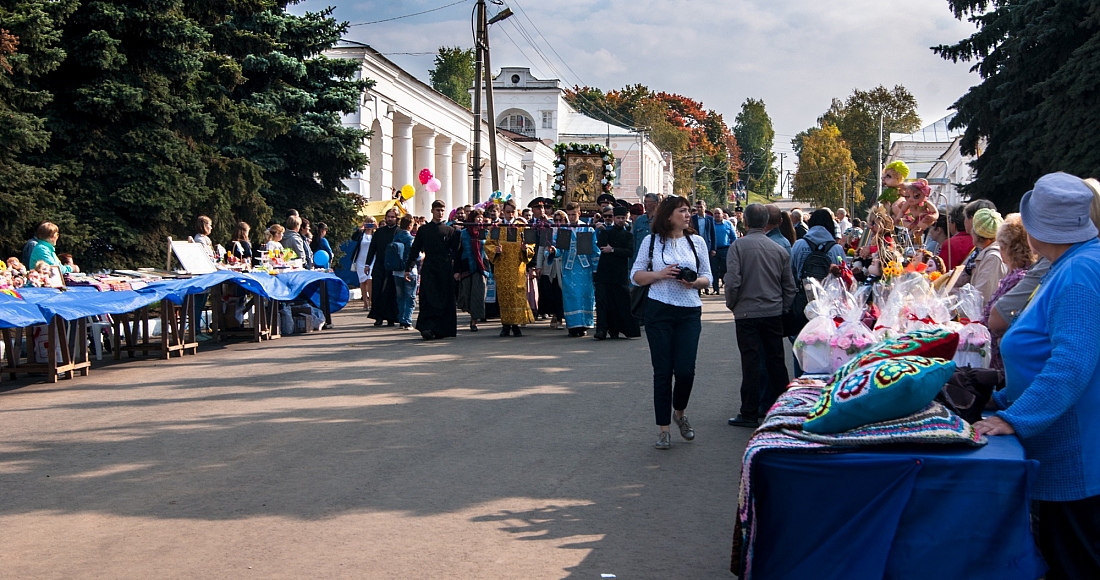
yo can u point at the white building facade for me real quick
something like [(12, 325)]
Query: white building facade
[(536, 108), (414, 127)]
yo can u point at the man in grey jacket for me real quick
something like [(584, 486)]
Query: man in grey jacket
[(759, 289)]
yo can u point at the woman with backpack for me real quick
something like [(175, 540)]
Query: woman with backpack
[(818, 243), (811, 257)]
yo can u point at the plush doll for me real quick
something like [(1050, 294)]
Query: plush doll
[(879, 249), (893, 176), (40, 276), (914, 211), (16, 266)]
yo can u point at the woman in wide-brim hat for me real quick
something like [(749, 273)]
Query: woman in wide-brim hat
[(1052, 370)]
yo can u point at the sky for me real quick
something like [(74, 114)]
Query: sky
[(795, 55)]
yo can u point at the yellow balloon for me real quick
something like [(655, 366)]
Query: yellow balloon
[(407, 192)]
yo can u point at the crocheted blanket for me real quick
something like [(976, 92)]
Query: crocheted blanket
[(782, 429)]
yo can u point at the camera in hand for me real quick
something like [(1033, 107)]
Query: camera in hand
[(687, 275)]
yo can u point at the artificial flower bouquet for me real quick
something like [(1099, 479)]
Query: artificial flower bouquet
[(975, 341)]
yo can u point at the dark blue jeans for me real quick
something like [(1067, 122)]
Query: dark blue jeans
[(760, 341), (406, 299), (673, 334)]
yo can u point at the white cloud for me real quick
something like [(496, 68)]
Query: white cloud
[(796, 55)]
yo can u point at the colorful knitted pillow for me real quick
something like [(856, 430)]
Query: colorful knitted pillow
[(881, 391), (938, 343)]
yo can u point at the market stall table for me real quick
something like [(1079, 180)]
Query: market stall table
[(923, 511), (133, 333)]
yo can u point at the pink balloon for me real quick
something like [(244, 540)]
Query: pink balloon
[(425, 176), (433, 185)]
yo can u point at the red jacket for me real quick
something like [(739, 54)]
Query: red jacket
[(960, 246)]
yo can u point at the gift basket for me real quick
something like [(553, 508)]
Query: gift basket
[(974, 339), (813, 346), (852, 336)]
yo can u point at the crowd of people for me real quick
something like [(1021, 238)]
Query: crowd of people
[(565, 265)]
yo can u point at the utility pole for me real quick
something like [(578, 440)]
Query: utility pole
[(483, 74), (782, 156), (878, 186), (844, 192), (479, 75)]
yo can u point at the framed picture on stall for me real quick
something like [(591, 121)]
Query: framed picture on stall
[(56, 278)]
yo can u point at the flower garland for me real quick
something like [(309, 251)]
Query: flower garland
[(561, 149)]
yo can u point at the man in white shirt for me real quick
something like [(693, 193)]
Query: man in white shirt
[(843, 224)]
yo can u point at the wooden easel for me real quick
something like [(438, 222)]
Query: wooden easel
[(177, 330), (57, 340)]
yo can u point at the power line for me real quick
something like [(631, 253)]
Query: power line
[(409, 15), (544, 39), (613, 117)]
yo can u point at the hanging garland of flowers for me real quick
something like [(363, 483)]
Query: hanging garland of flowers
[(561, 149)]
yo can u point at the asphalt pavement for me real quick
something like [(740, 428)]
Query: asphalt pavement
[(364, 452)]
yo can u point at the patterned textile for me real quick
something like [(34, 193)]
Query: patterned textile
[(510, 275), (938, 343), (578, 292), (881, 391), (782, 430)]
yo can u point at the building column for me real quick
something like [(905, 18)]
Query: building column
[(460, 176), (424, 157), (381, 159), (443, 171), (402, 154)]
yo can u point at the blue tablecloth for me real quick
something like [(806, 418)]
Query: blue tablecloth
[(41, 304), (16, 313), (926, 512)]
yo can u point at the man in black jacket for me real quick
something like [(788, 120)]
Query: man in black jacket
[(383, 306), (439, 242), (612, 280)]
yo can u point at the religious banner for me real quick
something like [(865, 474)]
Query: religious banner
[(582, 186), (582, 171)]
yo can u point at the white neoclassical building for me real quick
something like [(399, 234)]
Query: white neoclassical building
[(414, 127), (537, 109)]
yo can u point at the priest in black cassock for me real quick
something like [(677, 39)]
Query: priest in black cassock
[(612, 280), (383, 307), (438, 316)]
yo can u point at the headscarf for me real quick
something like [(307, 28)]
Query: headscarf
[(471, 238)]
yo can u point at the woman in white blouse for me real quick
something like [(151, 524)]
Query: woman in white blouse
[(674, 263)]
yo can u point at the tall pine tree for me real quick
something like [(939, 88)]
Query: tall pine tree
[(29, 49), (125, 118), (1038, 105)]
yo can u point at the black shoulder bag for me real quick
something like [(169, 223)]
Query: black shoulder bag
[(639, 296)]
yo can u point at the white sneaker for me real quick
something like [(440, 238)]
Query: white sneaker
[(664, 441)]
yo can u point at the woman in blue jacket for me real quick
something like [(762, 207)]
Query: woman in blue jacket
[(1052, 370)]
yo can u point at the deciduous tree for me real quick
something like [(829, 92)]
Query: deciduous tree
[(824, 163), (857, 118), (453, 73), (754, 133)]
